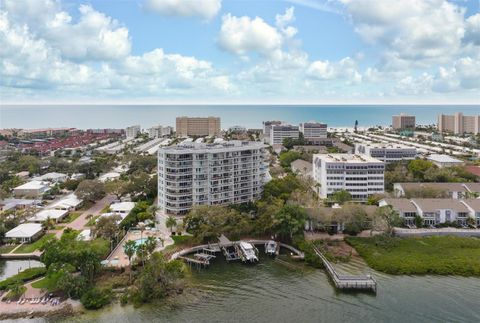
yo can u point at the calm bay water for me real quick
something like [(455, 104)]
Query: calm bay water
[(273, 292), (251, 116), (9, 268)]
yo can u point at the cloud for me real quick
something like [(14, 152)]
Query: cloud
[(241, 35), (33, 58), (93, 36), (206, 9), (414, 31), (472, 30), (344, 69)]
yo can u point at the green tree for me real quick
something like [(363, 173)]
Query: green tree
[(341, 196), (289, 221), (130, 248), (171, 222), (150, 244), (387, 218), (116, 187), (96, 298), (418, 167), (74, 286), (107, 227), (90, 190)]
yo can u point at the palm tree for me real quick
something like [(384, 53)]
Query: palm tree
[(150, 244), (171, 222), (130, 248)]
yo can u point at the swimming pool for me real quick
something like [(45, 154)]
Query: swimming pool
[(139, 242)]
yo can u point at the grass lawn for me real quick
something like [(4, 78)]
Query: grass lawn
[(72, 216), (45, 283), (31, 247), (26, 275), (440, 255), (6, 249), (182, 240)]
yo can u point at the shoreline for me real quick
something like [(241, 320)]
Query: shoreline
[(15, 311)]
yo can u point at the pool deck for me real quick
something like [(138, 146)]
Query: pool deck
[(118, 258)]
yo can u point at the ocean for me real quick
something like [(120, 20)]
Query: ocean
[(250, 116)]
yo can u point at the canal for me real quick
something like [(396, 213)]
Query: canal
[(9, 268), (273, 291)]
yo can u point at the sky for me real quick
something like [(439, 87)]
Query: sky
[(239, 51)]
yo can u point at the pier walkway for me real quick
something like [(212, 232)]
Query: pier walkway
[(344, 282)]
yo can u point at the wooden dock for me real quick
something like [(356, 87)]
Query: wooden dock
[(344, 282)]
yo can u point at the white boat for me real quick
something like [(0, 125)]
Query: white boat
[(249, 251), (271, 248)]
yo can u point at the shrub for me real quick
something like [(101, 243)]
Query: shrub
[(96, 298)]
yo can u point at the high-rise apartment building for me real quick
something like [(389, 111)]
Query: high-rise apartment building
[(208, 126), (224, 173), (159, 131), (459, 124), (267, 125), (360, 175), (403, 121), (279, 132), (313, 132), (132, 131)]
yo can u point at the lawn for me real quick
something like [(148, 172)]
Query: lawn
[(6, 249), (182, 240), (31, 247), (72, 216), (26, 275), (419, 256)]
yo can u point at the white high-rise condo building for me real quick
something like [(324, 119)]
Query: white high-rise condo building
[(360, 175), (267, 125), (388, 153), (459, 124), (280, 132), (313, 132), (159, 131), (403, 121), (224, 173), (132, 131)]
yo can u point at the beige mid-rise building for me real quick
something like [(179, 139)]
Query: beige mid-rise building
[(208, 126), (403, 121), (459, 124)]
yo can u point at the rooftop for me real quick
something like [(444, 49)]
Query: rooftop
[(50, 176), (347, 158), (224, 145), (452, 187), (432, 205), (443, 159), (32, 185), (122, 207), (71, 200), (385, 145), (401, 204), (48, 213), (25, 230)]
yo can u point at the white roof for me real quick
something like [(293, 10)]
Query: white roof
[(246, 245), (48, 213), (122, 207), (108, 176), (25, 230), (32, 185), (71, 200), (50, 176), (443, 159), (347, 158), (85, 235), (109, 214)]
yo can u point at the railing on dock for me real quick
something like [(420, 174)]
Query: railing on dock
[(344, 282)]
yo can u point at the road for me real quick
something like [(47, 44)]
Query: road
[(80, 222)]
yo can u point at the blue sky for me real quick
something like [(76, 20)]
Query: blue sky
[(240, 51)]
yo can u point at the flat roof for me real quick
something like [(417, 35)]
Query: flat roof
[(384, 145), (301, 164), (48, 213), (24, 230), (71, 200), (32, 185), (347, 158), (122, 206), (218, 146), (443, 159)]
